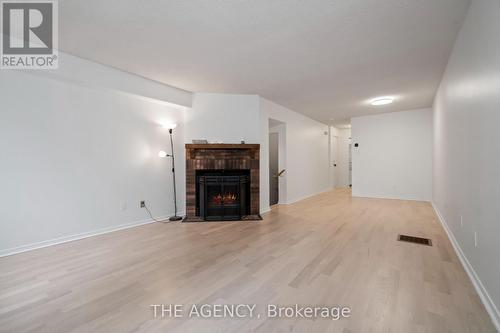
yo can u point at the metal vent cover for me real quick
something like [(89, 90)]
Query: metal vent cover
[(414, 239)]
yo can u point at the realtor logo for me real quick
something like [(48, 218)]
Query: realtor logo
[(29, 34)]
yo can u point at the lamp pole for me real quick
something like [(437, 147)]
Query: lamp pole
[(175, 217)]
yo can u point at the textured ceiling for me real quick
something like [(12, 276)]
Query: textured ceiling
[(321, 58)]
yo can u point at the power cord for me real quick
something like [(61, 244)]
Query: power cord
[(151, 215)]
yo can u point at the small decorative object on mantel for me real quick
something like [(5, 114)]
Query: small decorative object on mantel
[(242, 142), (200, 142)]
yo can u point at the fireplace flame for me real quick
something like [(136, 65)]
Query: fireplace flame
[(227, 198)]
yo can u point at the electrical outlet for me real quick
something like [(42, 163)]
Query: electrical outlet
[(476, 243), (143, 204), (461, 221)]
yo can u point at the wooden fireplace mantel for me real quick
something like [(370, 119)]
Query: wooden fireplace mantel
[(222, 146)]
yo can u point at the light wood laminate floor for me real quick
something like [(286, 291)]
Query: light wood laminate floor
[(330, 249)]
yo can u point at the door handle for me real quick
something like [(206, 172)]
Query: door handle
[(281, 173)]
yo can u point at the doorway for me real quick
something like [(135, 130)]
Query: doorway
[(334, 159), (274, 187), (277, 160), (340, 158), (345, 165)]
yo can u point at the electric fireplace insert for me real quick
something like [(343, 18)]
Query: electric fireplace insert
[(222, 195)]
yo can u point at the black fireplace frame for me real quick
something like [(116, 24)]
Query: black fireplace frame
[(239, 179)]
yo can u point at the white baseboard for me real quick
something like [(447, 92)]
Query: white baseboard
[(289, 202), (265, 210), (478, 285), (388, 196), (71, 238)]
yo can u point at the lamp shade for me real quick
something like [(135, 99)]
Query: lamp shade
[(170, 126)]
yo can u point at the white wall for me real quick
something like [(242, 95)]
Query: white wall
[(78, 156), (307, 171), (394, 157), (231, 118), (228, 118), (80, 152), (467, 149)]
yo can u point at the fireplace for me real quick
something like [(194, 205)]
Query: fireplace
[(222, 182), (222, 195)]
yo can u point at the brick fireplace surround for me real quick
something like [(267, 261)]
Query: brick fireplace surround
[(225, 157)]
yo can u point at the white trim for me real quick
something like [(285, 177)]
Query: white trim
[(488, 303), (265, 210), (389, 197), (289, 202), (71, 238)]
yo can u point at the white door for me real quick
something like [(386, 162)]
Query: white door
[(334, 160), (343, 169)]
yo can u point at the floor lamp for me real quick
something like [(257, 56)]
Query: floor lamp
[(164, 154)]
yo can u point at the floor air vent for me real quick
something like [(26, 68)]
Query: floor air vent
[(413, 239)]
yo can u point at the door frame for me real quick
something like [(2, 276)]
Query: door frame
[(277, 126), (274, 185)]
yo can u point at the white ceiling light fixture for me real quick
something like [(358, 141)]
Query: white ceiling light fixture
[(382, 101)]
